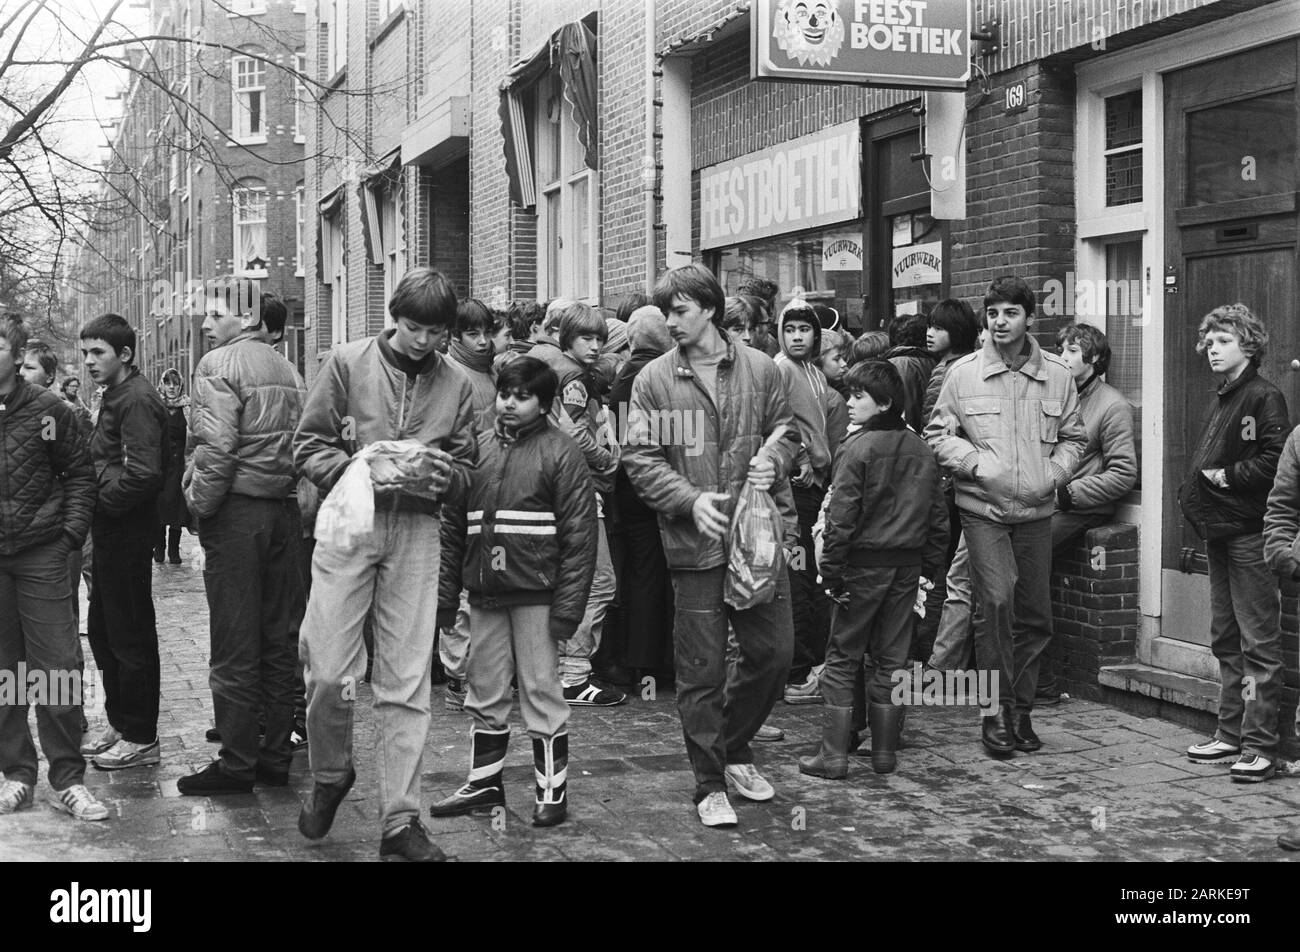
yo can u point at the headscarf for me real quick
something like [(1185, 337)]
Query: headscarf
[(172, 375)]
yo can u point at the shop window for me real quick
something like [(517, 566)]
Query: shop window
[(566, 213), (1124, 148), (248, 108), (250, 252), (823, 266), (916, 273)]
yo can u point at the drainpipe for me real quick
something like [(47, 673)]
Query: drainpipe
[(649, 160)]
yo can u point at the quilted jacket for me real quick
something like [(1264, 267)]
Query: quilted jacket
[(247, 402), (526, 534), (47, 484)]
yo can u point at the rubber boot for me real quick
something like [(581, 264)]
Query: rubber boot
[(886, 724), (551, 765), (831, 762), (484, 789)]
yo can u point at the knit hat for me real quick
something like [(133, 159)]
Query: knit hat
[(647, 328), (618, 336)]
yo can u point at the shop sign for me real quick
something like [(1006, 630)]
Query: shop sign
[(842, 252), (804, 183), (913, 44), (918, 265)]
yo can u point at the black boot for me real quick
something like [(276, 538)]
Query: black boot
[(551, 762), (160, 546), (317, 814), (173, 545), (484, 789), (831, 762), (998, 733), (886, 724), (1023, 732)]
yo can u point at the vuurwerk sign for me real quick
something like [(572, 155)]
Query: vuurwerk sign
[(804, 183), (920, 44)]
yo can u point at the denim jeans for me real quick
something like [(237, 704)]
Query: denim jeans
[(515, 642), (251, 576), (1011, 567), (808, 605), (952, 642), (1246, 638), (576, 652), (1067, 529), (394, 569), (878, 620), (36, 627), (122, 626), (722, 706), (453, 642)]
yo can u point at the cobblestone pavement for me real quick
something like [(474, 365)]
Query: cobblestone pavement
[(1107, 785)]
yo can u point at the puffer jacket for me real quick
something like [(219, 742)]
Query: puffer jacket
[(1010, 438), (1108, 468), (47, 486), (886, 506), (1282, 516), (361, 396), (526, 531), (129, 448), (680, 443), (1244, 430), (246, 405)]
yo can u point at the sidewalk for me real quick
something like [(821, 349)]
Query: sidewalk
[(1106, 786)]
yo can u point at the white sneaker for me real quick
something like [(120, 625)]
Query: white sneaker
[(1212, 751), (78, 802), (715, 810), (14, 796), (749, 783), (100, 742), (125, 754)]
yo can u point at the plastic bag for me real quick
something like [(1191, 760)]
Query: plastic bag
[(754, 554), (348, 512)]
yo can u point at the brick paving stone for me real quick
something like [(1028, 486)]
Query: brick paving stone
[(1108, 785)]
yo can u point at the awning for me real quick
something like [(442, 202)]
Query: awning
[(572, 50), (377, 178), (327, 206)]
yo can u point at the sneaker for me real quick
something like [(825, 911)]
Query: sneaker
[(810, 692), (411, 844), (749, 783), (1252, 768), (454, 694), (769, 734), (587, 694), (98, 743), (125, 754), (298, 736), (212, 781), (15, 795), (1212, 751), (77, 802), (715, 810)]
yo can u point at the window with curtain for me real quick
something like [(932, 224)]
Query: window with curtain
[(566, 209), (394, 249), (248, 90), (250, 253), (1124, 324)]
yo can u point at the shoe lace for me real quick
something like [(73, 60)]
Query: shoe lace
[(12, 788), (78, 797)]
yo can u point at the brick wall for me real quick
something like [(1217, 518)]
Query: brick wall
[(1290, 659), (449, 221), (1095, 613)]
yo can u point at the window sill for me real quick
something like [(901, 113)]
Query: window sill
[(251, 274), (246, 13), (387, 26), (337, 80), (300, 140), (255, 140), (299, 273)]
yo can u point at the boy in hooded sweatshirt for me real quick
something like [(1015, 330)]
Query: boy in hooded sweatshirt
[(800, 336)]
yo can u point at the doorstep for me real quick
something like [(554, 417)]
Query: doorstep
[(1159, 692)]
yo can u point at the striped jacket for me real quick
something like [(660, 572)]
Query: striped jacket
[(526, 534)]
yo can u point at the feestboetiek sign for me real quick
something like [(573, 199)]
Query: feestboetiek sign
[(921, 44)]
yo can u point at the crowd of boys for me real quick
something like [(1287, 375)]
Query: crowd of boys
[(562, 518)]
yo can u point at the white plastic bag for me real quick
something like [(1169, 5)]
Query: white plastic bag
[(348, 512)]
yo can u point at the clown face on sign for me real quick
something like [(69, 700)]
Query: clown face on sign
[(810, 31)]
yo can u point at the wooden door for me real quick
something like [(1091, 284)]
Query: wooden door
[(1230, 233)]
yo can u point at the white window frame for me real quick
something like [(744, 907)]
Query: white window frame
[(334, 273), (387, 8), (390, 237), (336, 35), (562, 184), (300, 219), (245, 8), (299, 97), (241, 111), (237, 222)]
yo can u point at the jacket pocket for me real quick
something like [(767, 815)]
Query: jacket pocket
[(1050, 420), (983, 418)]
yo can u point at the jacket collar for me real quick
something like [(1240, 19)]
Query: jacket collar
[(683, 366), (18, 396), (395, 360), (506, 436), (256, 334), (993, 363), (1250, 373), (132, 372), (884, 421), (1091, 385)]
